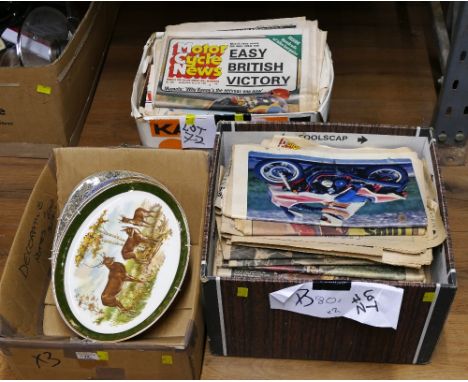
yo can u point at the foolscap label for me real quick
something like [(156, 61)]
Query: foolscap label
[(369, 303)]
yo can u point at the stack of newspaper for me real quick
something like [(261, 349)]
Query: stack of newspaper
[(293, 208), (255, 67)]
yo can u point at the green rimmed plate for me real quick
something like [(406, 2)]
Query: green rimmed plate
[(120, 256)]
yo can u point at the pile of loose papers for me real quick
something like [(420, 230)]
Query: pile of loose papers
[(292, 208), (256, 67)]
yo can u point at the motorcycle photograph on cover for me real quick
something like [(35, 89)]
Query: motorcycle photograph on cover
[(341, 189)]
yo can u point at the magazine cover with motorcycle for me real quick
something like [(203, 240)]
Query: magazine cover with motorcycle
[(358, 192)]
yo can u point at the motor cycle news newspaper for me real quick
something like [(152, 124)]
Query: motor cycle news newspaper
[(259, 247), (200, 66)]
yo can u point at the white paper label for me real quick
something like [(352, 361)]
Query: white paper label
[(87, 356), (198, 133), (369, 303), (100, 355)]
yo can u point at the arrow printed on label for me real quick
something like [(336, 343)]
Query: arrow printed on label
[(362, 139)]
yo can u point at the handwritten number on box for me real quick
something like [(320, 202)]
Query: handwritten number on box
[(198, 132), (305, 299), (360, 307), (194, 134)]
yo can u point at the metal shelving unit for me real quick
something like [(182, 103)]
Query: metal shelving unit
[(450, 119)]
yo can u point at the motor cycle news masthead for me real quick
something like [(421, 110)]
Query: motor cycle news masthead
[(232, 65)]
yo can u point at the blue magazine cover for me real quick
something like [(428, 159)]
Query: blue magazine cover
[(336, 192)]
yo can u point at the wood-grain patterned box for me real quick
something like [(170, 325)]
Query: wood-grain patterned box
[(239, 319)]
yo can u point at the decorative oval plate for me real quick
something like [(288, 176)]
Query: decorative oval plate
[(121, 258)]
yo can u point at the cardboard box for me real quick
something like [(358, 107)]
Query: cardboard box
[(46, 107), (33, 337), (238, 315), (165, 131)]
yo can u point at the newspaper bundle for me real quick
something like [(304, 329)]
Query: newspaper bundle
[(292, 206), (257, 67)]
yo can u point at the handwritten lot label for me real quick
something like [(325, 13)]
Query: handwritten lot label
[(369, 303), (198, 133)]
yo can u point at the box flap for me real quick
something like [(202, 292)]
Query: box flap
[(54, 325), (24, 280), (185, 174)]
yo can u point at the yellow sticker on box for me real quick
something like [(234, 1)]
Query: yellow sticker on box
[(103, 355), (428, 296), (238, 117), (166, 359), (190, 119), (242, 292), (43, 89)]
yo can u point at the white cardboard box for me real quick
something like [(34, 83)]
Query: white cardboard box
[(164, 131)]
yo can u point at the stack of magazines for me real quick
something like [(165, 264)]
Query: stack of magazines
[(256, 67), (295, 209)]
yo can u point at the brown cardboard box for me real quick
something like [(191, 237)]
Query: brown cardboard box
[(239, 319), (33, 337), (46, 107)]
